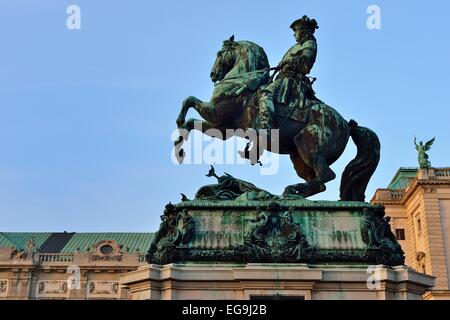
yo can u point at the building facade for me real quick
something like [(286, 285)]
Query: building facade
[(93, 265), (69, 265), (418, 202)]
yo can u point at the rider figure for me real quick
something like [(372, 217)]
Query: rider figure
[(291, 86)]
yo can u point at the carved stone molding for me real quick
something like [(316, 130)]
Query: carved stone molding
[(3, 287), (275, 237), (103, 288), (113, 249), (106, 258), (420, 256), (52, 287)]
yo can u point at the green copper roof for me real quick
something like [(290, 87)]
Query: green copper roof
[(20, 239), (5, 242), (136, 242), (403, 178), (70, 242)]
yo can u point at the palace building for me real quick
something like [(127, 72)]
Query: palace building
[(90, 265), (68, 265), (418, 202)]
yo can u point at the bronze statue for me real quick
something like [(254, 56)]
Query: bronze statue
[(312, 133), (422, 150), (292, 86)]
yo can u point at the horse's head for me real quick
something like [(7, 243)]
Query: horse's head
[(226, 59)]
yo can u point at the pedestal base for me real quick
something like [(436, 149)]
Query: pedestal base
[(275, 231), (179, 281)]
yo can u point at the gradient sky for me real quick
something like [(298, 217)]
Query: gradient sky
[(86, 115)]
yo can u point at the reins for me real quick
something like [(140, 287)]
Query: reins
[(246, 73)]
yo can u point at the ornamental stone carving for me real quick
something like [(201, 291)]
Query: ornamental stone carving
[(52, 287), (106, 258), (275, 237), (3, 287), (177, 228), (383, 247), (103, 288)]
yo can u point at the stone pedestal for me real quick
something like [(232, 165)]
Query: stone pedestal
[(274, 231), (180, 281), (252, 247)]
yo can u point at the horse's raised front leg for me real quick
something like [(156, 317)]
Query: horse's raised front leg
[(205, 109), (200, 125), (205, 127)]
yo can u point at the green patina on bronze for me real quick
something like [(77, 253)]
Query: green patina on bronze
[(315, 135), (233, 220), (422, 149), (280, 230)]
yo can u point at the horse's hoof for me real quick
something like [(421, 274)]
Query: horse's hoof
[(297, 190), (289, 190), (178, 141), (180, 154), (300, 188)]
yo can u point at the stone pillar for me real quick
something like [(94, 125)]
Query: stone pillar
[(412, 250), (434, 241)]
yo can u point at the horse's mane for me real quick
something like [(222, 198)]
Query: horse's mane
[(256, 58)]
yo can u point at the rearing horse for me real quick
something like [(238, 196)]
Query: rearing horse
[(313, 143)]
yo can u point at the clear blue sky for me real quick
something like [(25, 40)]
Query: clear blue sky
[(86, 115)]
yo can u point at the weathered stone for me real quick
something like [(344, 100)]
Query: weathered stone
[(286, 281)]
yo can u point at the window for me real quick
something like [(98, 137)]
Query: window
[(400, 234), (106, 249), (419, 227)]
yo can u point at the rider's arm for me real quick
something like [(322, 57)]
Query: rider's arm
[(256, 80), (253, 82)]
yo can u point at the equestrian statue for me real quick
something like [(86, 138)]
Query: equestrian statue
[(246, 96)]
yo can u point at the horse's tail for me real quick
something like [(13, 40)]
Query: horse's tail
[(358, 172)]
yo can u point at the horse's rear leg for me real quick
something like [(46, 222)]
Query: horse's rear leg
[(309, 146), (323, 175), (303, 171)]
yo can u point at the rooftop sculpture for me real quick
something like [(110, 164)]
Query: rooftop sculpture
[(422, 152)]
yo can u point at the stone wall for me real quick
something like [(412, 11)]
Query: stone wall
[(63, 276)]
